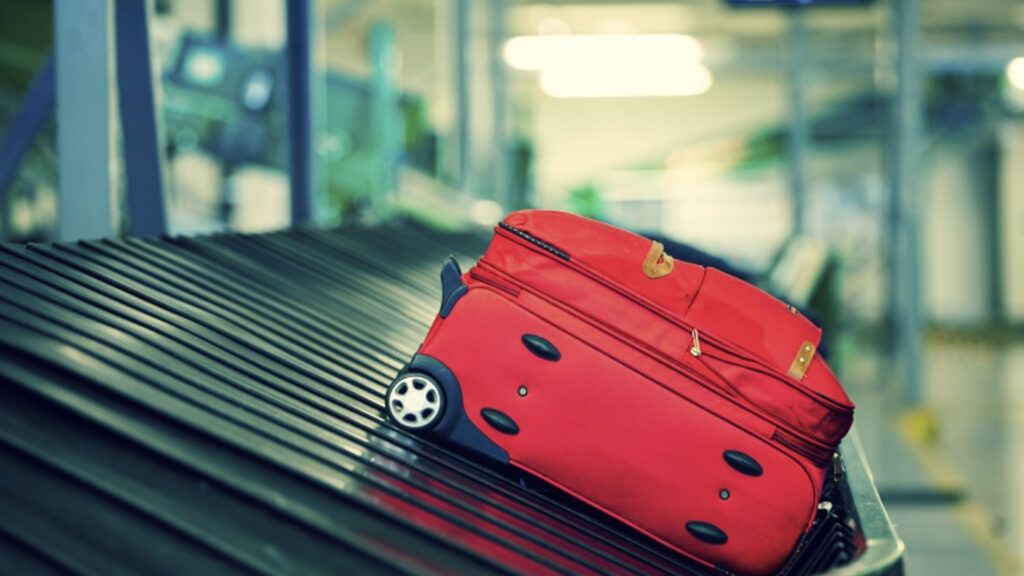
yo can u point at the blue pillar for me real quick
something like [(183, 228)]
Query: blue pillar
[(299, 52), (142, 143)]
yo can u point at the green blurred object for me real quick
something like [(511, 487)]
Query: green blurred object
[(26, 35), (586, 201), (226, 100)]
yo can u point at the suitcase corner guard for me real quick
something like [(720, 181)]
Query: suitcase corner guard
[(455, 425), (452, 286)]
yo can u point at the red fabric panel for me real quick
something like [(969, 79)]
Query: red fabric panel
[(621, 441)]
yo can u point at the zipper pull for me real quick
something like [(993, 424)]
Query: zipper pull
[(837, 466), (695, 349)]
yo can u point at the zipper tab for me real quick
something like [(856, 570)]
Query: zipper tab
[(695, 349), (837, 466)]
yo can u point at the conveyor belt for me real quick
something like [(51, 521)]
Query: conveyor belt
[(214, 405)]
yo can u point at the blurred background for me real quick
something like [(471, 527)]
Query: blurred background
[(862, 158)]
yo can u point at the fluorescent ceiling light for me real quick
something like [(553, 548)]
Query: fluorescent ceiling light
[(1015, 72), (635, 82), (539, 52), (612, 65)]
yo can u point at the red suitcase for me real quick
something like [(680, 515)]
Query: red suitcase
[(679, 399)]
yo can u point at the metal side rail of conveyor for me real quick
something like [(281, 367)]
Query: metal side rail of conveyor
[(214, 406)]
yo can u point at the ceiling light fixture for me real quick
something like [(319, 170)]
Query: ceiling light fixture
[(625, 82), (1015, 72), (612, 65), (540, 51)]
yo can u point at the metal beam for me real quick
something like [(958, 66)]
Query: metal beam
[(500, 172), (299, 50), (222, 18), (385, 122), (905, 260), (799, 135), (35, 110), (961, 57), (142, 138), (85, 123), (460, 53)]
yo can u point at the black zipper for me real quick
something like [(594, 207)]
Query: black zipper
[(536, 241)]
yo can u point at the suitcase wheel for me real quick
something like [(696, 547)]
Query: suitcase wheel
[(415, 402)]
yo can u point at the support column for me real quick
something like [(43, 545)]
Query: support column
[(299, 50), (905, 207), (500, 171), (143, 143), (799, 128), (460, 74), (385, 121), (85, 122)]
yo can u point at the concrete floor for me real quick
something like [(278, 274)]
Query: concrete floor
[(952, 472)]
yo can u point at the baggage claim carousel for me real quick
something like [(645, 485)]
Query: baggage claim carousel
[(215, 406)]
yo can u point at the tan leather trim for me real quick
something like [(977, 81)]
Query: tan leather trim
[(657, 263), (802, 361)]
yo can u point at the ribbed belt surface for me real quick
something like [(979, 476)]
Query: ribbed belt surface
[(215, 406)]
